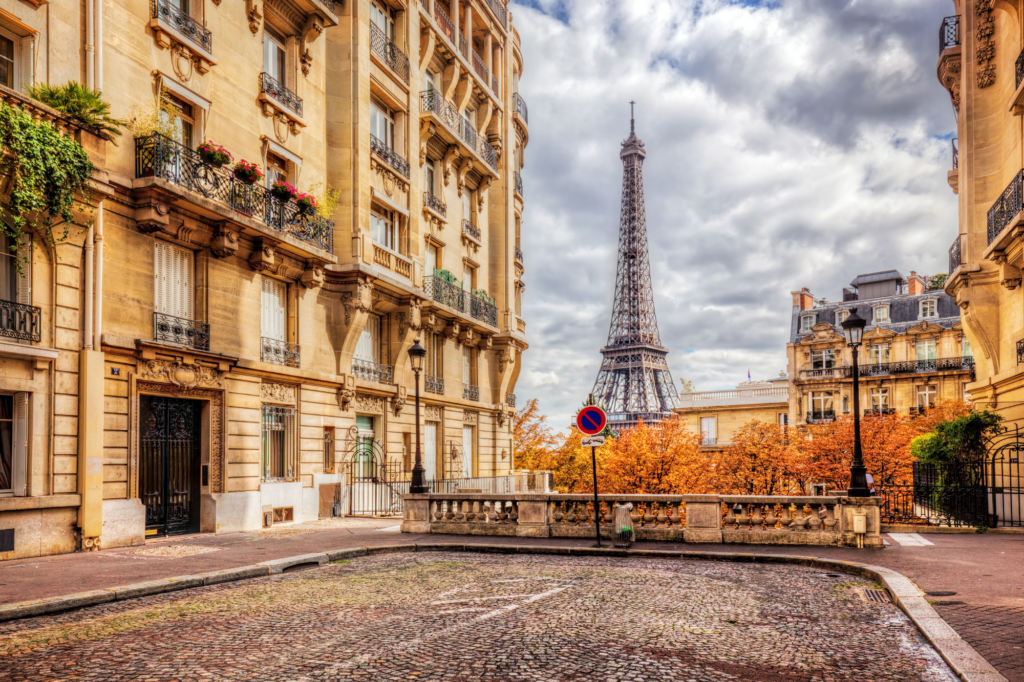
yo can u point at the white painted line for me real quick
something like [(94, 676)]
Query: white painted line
[(391, 529), (910, 539)]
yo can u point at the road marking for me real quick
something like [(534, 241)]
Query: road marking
[(391, 529), (910, 539)]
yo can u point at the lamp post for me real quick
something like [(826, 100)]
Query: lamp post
[(853, 327), (416, 355)]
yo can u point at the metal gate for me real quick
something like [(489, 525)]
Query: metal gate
[(1005, 491), (375, 484), (951, 493), (169, 461)]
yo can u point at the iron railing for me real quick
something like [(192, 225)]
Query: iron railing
[(276, 89), (463, 45), (954, 255), (434, 203), (510, 399), (468, 228), (918, 366), (386, 49), (519, 106), (500, 12), (471, 392), (1020, 351), (432, 101), (483, 310), (162, 157), (956, 153), (949, 33), (1019, 68), (444, 22), (519, 254), (1006, 206), (279, 445), (481, 68), (433, 384), (372, 371), (389, 155), (20, 321), (180, 330), (163, 10), (443, 291), (518, 183), (494, 84), (279, 352), (869, 411), (821, 416)]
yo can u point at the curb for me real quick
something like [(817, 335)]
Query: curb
[(965, 661), (946, 530)]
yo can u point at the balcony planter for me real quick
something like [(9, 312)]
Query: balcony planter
[(214, 154), (247, 173), (283, 191), (306, 203)]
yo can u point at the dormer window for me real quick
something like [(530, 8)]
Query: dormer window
[(881, 314), (841, 316), (929, 308), (806, 322)]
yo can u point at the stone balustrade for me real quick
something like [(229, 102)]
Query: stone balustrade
[(738, 519)]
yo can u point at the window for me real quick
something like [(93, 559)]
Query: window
[(8, 62), (429, 178), (925, 350), (431, 80), (16, 286), (432, 363), (14, 444), (821, 403), (467, 205), (280, 451), (929, 308), (879, 398), (382, 18), (965, 348), (925, 397), (433, 258), (429, 453), (383, 229), (179, 115), (881, 314), (806, 322), (468, 368), (369, 344), (783, 419), (879, 353), (274, 56), (468, 450), (277, 169), (708, 431), (365, 435), (382, 125), (328, 445), (274, 303), (841, 316), (173, 281), (823, 359)]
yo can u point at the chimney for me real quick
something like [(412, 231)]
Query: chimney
[(916, 284), (802, 299)]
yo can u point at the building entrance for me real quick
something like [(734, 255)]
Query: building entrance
[(169, 464)]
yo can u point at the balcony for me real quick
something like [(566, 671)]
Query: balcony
[(181, 331), (949, 34), (483, 310), (954, 255), (510, 400), (920, 410), (392, 261), (1020, 351), (20, 321), (435, 204), (481, 68), (472, 232), (878, 411), (372, 371), (519, 255), (1006, 208), (161, 157), (433, 384), (458, 128), (171, 24), (957, 364), (279, 352), (471, 393), (519, 107), (389, 156), (274, 89), (499, 11), (825, 373), (454, 296), (385, 48), (518, 183), (821, 416), (444, 22), (956, 153)]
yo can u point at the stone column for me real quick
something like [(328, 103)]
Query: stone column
[(703, 519), (453, 12), (534, 513), (416, 518), (852, 507)]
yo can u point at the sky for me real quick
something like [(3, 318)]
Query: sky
[(790, 143)]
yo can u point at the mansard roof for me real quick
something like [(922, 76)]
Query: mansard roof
[(904, 312)]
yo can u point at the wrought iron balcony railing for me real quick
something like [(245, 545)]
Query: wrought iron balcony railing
[(372, 371), (443, 291), (949, 33), (519, 106), (444, 22), (483, 310), (869, 411), (954, 255), (1020, 351), (956, 153), (965, 363), (20, 321), (1006, 206), (162, 157), (920, 409), (389, 155), (434, 384), (279, 352), (432, 101), (164, 11), (821, 416), (1019, 68), (274, 88), (469, 229), (470, 392), (500, 12), (386, 49), (434, 204), (518, 183), (481, 68), (519, 254), (463, 45), (180, 330), (511, 400)]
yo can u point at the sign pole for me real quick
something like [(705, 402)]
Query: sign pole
[(591, 421), (597, 505)]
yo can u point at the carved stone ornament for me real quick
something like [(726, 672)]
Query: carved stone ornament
[(224, 244), (506, 356), (949, 76), (360, 300), (464, 168), (369, 403), (183, 62), (481, 192), (427, 131), (277, 393), (398, 401), (500, 415), (347, 391), (253, 14), (313, 276), (262, 259), (432, 413), (470, 417), (183, 376), (986, 52), (450, 157), (388, 178)]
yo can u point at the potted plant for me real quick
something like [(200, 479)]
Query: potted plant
[(214, 154), (306, 202), (247, 173), (283, 191)]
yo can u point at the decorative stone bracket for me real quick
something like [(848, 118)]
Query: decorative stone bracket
[(313, 276), (263, 257), (346, 392), (185, 54), (398, 401)]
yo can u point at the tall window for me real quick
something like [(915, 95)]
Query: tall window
[(328, 443), (708, 432), (926, 349), (783, 419), (821, 403), (432, 364), (382, 125), (965, 348), (928, 308), (879, 353), (274, 56), (432, 259), (382, 18), (823, 359), (280, 449), (881, 314), (277, 169), (431, 440), (879, 398), (925, 396), (383, 229), (806, 322), (173, 281), (429, 178), (468, 450), (8, 62), (368, 346), (8, 270), (365, 434), (841, 316), (468, 369), (431, 81), (179, 115), (274, 305), (467, 205)]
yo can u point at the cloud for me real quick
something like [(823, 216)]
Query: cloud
[(790, 143)]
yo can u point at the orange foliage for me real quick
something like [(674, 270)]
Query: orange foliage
[(760, 461), (659, 459)]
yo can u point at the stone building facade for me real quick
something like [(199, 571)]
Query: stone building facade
[(210, 354), (718, 415), (914, 351), (979, 64)]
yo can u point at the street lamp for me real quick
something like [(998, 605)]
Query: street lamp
[(416, 355), (853, 327)]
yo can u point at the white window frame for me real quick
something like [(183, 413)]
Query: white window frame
[(933, 303), (369, 346), (819, 399), (274, 309), (18, 483), (381, 14), (826, 358), (880, 314), (382, 122), (468, 366), (468, 450), (807, 322), (281, 57), (841, 316), (879, 398), (384, 228), (174, 270), (708, 430), (925, 345), (929, 392), (878, 353), (965, 348)]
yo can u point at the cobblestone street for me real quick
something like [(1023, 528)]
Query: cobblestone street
[(441, 616)]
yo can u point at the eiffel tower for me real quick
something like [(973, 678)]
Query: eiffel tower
[(634, 382)]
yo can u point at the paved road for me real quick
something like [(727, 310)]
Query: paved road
[(985, 571), (502, 618)]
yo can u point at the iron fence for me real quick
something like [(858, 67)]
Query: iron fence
[(182, 331), (163, 10), (162, 157), (279, 352), (821, 416), (519, 106), (444, 22), (434, 203), (389, 155), (949, 33), (1006, 206), (470, 392), (483, 310), (276, 89), (372, 371), (469, 229), (481, 67), (963, 363), (433, 384), (954, 255), (458, 125), (20, 321), (1019, 68), (500, 12), (1020, 351), (1003, 476), (463, 45), (386, 49)]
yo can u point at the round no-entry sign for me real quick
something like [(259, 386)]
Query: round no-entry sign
[(591, 420)]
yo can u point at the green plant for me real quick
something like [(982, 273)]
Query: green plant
[(963, 437), (247, 172), (327, 199), (981, 529), (306, 202), (937, 282), (283, 191), (214, 154), (81, 104), (158, 117), (47, 170), (482, 293), (446, 276)]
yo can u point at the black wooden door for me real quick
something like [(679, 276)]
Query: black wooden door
[(169, 464)]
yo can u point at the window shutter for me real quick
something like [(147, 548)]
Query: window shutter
[(185, 283), (467, 451), (273, 309), (173, 282), (25, 276), (19, 475)]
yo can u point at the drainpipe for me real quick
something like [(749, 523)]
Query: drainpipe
[(90, 47), (98, 310), (87, 340), (98, 77)]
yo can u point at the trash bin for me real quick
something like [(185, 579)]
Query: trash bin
[(623, 531)]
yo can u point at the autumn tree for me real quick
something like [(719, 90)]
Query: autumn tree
[(885, 444), (533, 442), (658, 459), (760, 461)]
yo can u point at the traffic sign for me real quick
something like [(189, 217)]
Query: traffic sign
[(591, 420), (592, 441)]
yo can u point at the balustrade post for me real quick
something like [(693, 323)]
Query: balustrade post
[(416, 516), (703, 519), (535, 516)]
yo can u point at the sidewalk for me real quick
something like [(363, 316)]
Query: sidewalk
[(986, 572)]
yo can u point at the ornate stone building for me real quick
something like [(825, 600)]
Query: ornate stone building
[(914, 352), (207, 353), (980, 65), (718, 415)]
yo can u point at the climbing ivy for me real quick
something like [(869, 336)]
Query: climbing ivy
[(46, 171)]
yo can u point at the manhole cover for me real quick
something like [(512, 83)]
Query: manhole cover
[(946, 603), (940, 593), (878, 596)]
